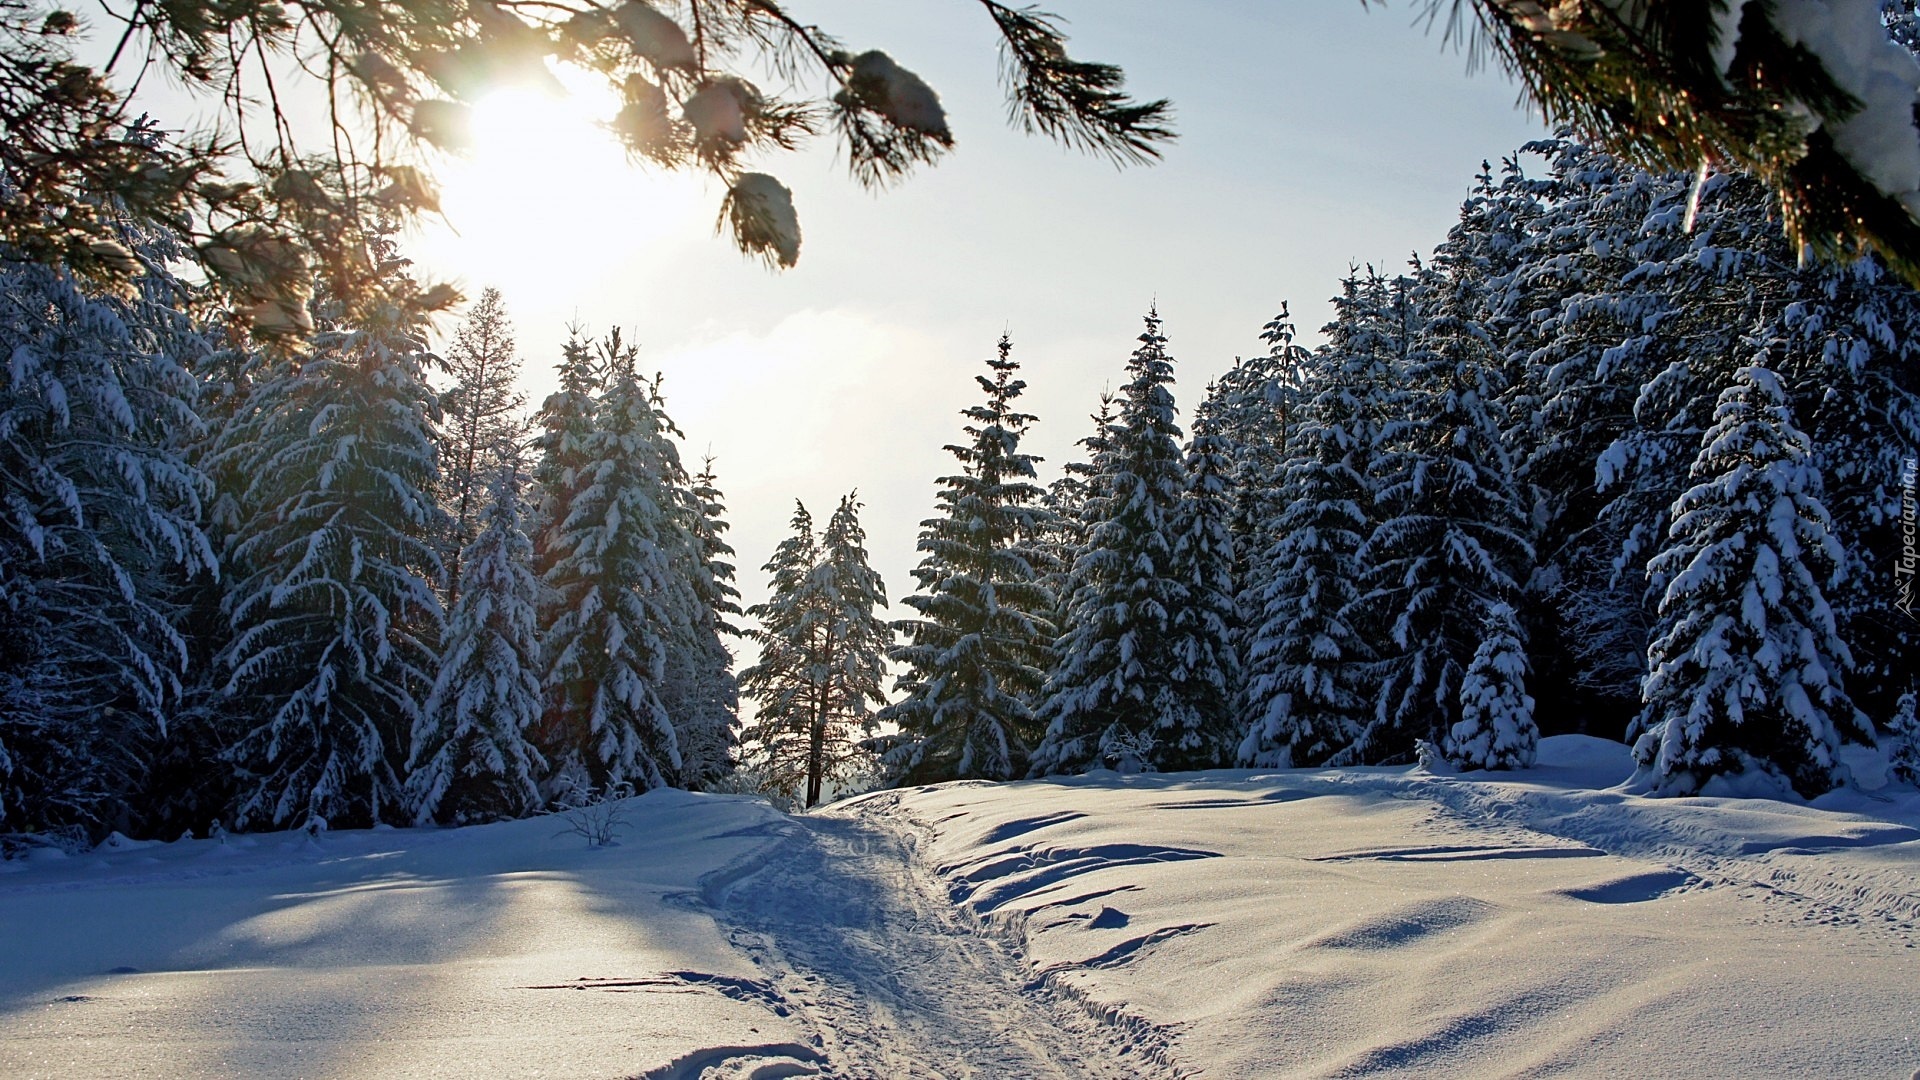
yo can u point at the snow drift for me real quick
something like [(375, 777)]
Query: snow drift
[(1382, 922)]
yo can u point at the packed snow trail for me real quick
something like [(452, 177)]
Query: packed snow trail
[(888, 979)]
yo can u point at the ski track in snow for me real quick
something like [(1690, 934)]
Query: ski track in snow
[(1405, 923), (1783, 874), (889, 980)]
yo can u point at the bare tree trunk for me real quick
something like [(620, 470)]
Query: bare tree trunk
[(816, 753)]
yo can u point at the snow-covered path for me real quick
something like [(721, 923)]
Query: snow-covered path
[(888, 980), (1233, 925)]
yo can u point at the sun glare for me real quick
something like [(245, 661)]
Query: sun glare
[(546, 181)]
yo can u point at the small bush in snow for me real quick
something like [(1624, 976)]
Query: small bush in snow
[(599, 818), (1904, 741), (1128, 751), (63, 841)]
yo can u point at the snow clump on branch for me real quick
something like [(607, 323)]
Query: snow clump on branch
[(897, 94), (760, 209)]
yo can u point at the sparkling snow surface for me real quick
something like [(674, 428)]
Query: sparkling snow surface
[(1226, 924)]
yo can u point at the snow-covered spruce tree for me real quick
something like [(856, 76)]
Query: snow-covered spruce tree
[(1254, 408), (699, 691), (481, 428), (778, 744), (100, 519), (191, 784), (822, 658), (1302, 702), (855, 593), (1587, 339), (1496, 729), (1111, 695), (1746, 665), (1481, 314), (978, 654), (471, 760), (1069, 502), (336, 618), (1206, 626), (616, 584), (1309, 652), (564, 421), (1451, 535)]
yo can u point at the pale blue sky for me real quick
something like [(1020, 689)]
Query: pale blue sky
[(1313, 134)]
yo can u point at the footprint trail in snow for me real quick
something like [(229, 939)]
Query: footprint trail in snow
[(886, 979)]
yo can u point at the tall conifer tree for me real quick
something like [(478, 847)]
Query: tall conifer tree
[(101, 518), (782, 683), (1310, 648), (978, 653), (1111, 697), (1069, 502), (616, 583), (333, 600), (700, 692), (481, 428), (1303, 702), (471, 757), (1746, 670), (1206, 626), (1451, 537), (822, 657)]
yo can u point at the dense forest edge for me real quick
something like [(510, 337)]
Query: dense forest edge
[(1614, 459)]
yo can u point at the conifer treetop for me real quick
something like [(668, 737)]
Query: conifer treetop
[(977, 652)]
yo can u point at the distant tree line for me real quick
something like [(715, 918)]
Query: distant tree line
[(1615, 459)]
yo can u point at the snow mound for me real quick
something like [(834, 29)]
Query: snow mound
[(1587, 754), (499, 950), (1394, 922), (1117, 927)]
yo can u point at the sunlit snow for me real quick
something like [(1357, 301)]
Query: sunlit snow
[(1224, 924)]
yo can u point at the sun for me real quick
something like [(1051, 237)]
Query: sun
[(545, 183)]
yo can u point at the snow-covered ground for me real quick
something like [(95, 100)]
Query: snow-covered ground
[(1228, 924)]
